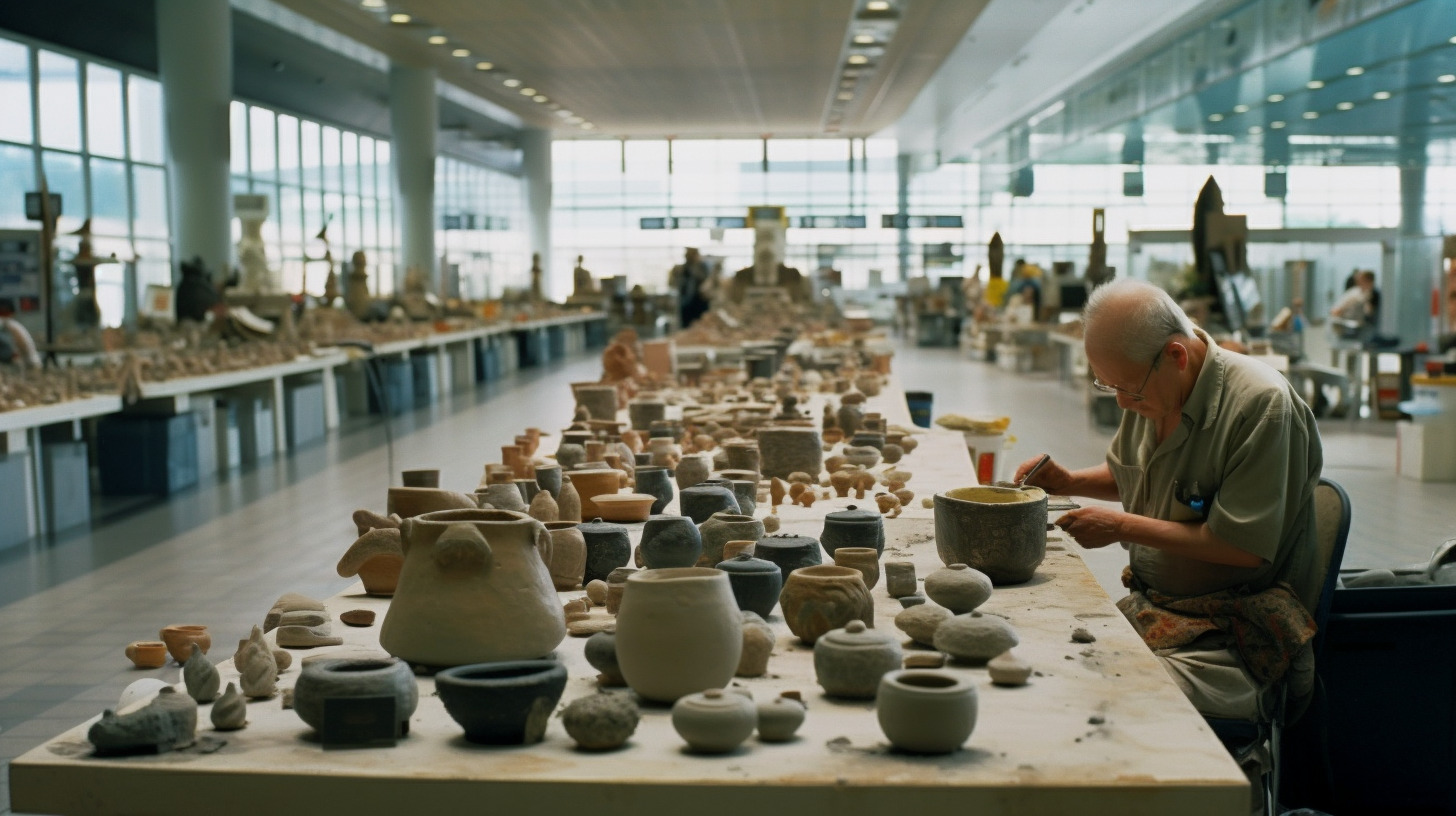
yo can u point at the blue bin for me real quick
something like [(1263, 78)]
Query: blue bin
[(920, 403)]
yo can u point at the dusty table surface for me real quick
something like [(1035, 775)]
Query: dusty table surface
[(1099, 729)]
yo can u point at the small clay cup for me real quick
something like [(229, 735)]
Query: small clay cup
[(147, 654), (180, 637)]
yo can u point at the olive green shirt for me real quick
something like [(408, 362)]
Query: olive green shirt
[(1245, 459)]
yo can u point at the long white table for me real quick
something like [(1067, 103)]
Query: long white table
[(1099, 729)]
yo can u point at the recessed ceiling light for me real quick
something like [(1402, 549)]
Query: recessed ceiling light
[(877, 5), (1276, 125), (528, 92), (1354, 70), (437, 39), (460, 52), (1215, 117), (1241, 108), (845, 96), (399, 19), (372, 3), (1452, 41), (512, 82), (484, 66), (864, 39), (1314, 84), (1445, 78), (1345, 106), (1310, 114), (851, 72), (858, 59), (565, 114), (1276, 97), (1255, 130), (587, 126), (540, 98), (1381, 95), (575, 120), (556, 106)]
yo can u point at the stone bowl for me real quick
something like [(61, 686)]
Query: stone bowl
[(505, 703), (997, 530), (624, 507)]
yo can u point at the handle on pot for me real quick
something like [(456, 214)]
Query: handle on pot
[(462, 547)]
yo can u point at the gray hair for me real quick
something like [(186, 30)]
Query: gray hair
[(1148, 317)]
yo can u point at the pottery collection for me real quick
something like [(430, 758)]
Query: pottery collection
[(926, 712), (342, 678), (816, 600), (670, 541), (473, 589), (714, 721), (503, 703), (999, 531), (679, 631)]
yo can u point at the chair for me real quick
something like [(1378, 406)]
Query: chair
[(1332, 528)]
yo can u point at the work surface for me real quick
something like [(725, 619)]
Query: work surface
[(1099, 729)]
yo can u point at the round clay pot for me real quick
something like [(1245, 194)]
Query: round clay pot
[(816, 600), (850, 417), (569, 455), (670, 541), (853, 527), (742, 455), (642, 413), (868, 439), (746, 492), (421, 477), (692, 470), (657, 482), (785, 450), (790, 552), (926, 712), (180, 637), (721, 528), (756, 583), (601, 653), (406, 502), (380, 574), (506, 703), (625, 507), (548, 478), (701, 501), (958, 588), (849, 662), (592, 483), (600, 401), (566, 555), (714, 721), (147, 654), (999, 531), (679, 631), (501, 496), (607, 547), (864, 559), (779, 718), (329, 679)]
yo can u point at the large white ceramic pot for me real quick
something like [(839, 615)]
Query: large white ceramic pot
[(679, 631)]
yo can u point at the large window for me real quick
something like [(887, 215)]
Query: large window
[(482, 233)]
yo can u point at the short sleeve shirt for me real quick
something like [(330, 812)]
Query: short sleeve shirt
[(1245, 459)]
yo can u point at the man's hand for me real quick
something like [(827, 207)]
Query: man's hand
[(1053, 478), (1092, 527)]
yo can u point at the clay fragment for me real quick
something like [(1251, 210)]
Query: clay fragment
[(358, 617), (166, 723), (924, 660), (1006, 669), (306, 637), (200, 676), (230, 712), (1081, 635), (602, 721)]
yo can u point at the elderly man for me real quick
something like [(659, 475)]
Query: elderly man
[(1215, 464)]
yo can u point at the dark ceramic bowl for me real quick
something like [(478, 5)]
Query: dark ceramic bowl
[(701, 501), (507, 703)]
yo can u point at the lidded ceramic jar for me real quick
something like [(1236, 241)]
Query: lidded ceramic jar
[(756, 583), (853, 527), (721, 528), (701, 501), (473, 589), (779, 718), (790, 552), (679, 631), (607, 547), (925, 711), (849, 662), (816, 600), (656, 481), (714, 721), (670, 541)]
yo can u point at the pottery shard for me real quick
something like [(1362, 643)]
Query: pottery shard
[(306, 637), (283, 658), (975, 637), (358, 617), (601, 722), (305, 617), (924, 660), (290, 602), (921, 622), (257, 669), (200, 676), (1006, 669), (758, 643), (370, 543), (230, 712), (167, 723), (590, 626), (771, 524), (366, 520)]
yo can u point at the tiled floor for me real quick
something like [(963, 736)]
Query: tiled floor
[(220, 553)]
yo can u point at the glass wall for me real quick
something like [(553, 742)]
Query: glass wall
[(95, 131), (483, 239)]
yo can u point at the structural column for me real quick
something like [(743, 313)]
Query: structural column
[(1406, 299), (536, 163), (195, 61), (414, 115), (904, 170)]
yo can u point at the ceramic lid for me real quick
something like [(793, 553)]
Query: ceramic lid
[(598, 527), (853, 514), (857, 636), (745, 564), (786, 540)]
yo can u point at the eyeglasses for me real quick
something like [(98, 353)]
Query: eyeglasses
[(1135, 396)]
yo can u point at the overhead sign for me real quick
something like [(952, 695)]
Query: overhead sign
[(831, 222), (693, 222), (902, 221)]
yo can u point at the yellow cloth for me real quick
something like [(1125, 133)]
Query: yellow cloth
[(995, 292)]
